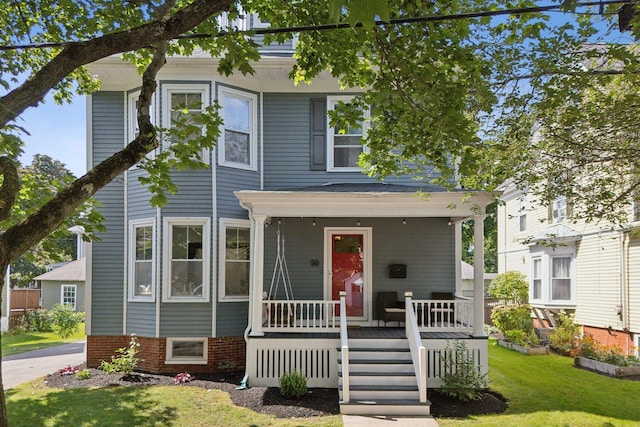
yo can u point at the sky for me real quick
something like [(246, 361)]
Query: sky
[(59, 131)]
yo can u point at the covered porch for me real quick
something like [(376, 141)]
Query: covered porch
[(312, 329)]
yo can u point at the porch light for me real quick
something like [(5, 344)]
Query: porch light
[(313, 222), (404, 221), (358, 222)]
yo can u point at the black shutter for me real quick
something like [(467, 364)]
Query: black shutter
[(318, 155)]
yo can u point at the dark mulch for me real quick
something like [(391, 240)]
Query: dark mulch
[(317, 402)]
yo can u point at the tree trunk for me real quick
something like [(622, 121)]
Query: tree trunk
[(4, 264)]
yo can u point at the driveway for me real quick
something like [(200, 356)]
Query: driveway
[(24, 367)]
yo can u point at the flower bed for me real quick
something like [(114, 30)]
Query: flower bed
[(606, 368), (535, 350)]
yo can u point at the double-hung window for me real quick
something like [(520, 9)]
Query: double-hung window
[(238, 144), (68, 295), (561, 278), (142, 260), (344, 146), (522, 216), (183, 102), (186, 259), (559, 209), (536, 280), (235, 259)]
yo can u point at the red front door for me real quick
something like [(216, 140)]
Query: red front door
[(347, 272)]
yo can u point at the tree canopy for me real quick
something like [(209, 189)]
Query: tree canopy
[(476, 91)]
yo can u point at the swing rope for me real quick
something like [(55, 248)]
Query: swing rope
[(280, 270)]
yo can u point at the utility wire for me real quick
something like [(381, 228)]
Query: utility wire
[(326, 27)]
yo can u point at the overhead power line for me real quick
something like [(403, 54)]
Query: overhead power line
[(345, 25)]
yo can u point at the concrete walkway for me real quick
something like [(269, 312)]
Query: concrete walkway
[(24, 367), (378, 421)]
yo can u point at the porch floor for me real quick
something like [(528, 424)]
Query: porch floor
[(373, 332)]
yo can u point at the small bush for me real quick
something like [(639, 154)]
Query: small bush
[(40, 321), (125, 361), (510, 285), (512, 317), (522, 338), (592, 349), (566, 336), (462, 379), (84, 374), (293, 385), (65, 320)]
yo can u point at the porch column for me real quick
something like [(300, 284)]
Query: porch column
[(478, 275), (458, 255), (257, 275)]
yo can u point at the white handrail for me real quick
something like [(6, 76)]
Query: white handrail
[(344, 345), (418, 350)]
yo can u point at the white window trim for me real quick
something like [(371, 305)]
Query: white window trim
[(132, 250), (224, 223), (332, 100), (533, 277), (547, 265), (259, 23), (167, 226), (177, 360), (253, 129), (167, 90), (75, 295), (559, 219), (522, 212)]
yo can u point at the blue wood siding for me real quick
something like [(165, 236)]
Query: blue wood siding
[(141, 318), (425, 245), (287, 145), (108, 253)]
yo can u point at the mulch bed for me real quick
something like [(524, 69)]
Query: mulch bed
[(317, 402)]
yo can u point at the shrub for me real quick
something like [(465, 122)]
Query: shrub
[(293, 385), (592, 349), (510, 285), (65, 320), (125, 361), (40, 321), (462, 379), (84, 374), (512, 317), (566, 335), (522, 338)]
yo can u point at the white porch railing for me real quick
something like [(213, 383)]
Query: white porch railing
[(418, 350), (320, 316), (300, 316), (444, 315)]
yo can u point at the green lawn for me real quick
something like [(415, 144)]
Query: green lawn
[(549, 391), (542, 391), (14, 344)]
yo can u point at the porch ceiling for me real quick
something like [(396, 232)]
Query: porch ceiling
[(364, 204)]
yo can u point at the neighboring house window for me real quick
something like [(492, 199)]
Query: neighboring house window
[(536, 282), (238, 145), (186, 350), (68, 295), (561, 278), (259, 23), (235, 259), (522, 216), (142, 260), (344, 149), (132, 125), (559, 209), (182, 102), (186, 259)]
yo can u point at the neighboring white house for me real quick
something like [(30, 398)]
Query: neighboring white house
[(586, 268)]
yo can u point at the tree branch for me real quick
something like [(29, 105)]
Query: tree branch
[(10, 186), (31, 92)]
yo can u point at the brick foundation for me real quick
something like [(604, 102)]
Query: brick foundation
[(604, 336), (223, 354)]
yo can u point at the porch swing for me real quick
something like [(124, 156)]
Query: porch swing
[(280, 314)]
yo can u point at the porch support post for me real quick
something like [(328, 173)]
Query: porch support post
[(257, 275), (458, 255), (478, 275)]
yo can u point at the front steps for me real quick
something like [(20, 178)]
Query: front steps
[(382, 379)]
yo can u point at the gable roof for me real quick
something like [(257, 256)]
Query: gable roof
[(73, 271)]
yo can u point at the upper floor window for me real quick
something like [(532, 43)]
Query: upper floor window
[(182, 102), (238, 145), (235, 259), (344, 147), (186, 259), (522, 216), (142, 260), (559, 210)]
